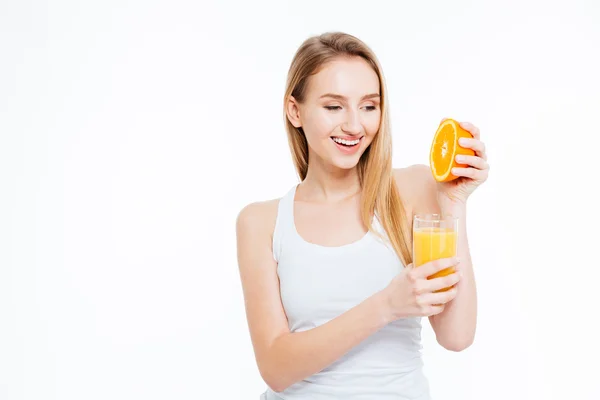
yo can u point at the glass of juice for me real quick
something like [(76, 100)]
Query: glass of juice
[(434, 237)]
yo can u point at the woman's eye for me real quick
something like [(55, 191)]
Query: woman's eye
[(331, 108)]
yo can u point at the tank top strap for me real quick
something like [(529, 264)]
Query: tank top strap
[(284, 224), (378, 227)]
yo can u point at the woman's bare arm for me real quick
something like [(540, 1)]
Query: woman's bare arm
[(284, 358), (455, 326)]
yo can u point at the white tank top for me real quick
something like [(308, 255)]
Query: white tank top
[(319, 283)]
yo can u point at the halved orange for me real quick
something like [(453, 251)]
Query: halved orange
[(445, 148)]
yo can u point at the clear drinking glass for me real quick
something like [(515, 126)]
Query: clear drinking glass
[(434, 237)]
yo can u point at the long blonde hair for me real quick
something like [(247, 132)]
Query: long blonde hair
[(379, 190)]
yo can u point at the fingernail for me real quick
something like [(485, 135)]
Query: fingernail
[(460, 158), (463, 141)]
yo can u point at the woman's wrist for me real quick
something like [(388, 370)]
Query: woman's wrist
[(383, 306), (451, 208)]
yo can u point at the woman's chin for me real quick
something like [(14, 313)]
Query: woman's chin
[(345, 162)]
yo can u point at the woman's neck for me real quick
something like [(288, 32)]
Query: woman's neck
[(330, 185)]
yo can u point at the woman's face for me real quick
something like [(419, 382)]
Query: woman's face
[(341, 112)]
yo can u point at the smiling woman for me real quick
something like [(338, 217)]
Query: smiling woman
[(333, 304), (341, 104)]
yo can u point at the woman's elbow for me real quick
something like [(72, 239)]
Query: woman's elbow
[(274, 381), (456, 344)]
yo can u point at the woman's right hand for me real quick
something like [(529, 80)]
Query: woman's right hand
[(411, 294)]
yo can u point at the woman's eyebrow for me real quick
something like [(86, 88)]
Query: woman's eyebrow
[(340, 97)]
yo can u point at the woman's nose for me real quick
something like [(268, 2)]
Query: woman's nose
[(352, 123)]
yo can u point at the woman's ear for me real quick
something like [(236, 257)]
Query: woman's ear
[(293, 112)]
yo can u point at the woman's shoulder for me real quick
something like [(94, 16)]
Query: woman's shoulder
[(258, 217), (417, 187), (416, 174)]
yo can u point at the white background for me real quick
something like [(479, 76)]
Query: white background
[(132, 133)]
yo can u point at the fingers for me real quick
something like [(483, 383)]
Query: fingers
[(471, 128), (473, 161), (435, 299), (474, 144), (430, 268), (433, 310), (429, 296), (431, 285), (476, 174)]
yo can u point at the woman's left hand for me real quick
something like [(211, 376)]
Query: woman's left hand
[(458, 190)]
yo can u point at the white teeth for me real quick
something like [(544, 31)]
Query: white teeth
[(346, 142)]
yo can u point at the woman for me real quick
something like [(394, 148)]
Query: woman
[(332, 301)]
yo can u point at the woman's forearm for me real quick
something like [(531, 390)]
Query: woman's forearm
[(455, 326), (295, 356)]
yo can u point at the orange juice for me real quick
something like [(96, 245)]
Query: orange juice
[(432, 243)]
